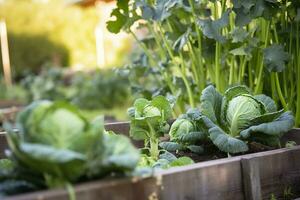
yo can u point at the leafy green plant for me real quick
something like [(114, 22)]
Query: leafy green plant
[(101, 89), (238, 116), (56, 147), (231, 121), (192, 43), (49, 84), (186, 133), (149, 122)]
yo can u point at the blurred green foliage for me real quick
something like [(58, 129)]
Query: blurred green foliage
[(102, 89), (52, 32)]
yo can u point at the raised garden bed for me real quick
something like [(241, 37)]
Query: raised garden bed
[(253, 176), (10, 103)]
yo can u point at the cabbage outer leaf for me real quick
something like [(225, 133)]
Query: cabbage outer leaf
[(277, 127)]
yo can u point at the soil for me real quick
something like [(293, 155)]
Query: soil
[(212, 153)]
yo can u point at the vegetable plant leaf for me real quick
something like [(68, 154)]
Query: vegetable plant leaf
[(119, 153), (211, 101), (123, 17), (269, 103), (192, 137), (180, 128), (167, 156), (171, 146), (13, 187), (226, 142), (239, 35), (274, 128), (181, 41), (181, 162), (163, 104), (212, 28), (275, 58), (196, 149)]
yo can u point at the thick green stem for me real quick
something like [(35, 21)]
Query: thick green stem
[(143, 46), (202, 77), (273, 87), (242, 70), (217, 67), (231, 73), (279, 92), (154, 151), (259, 81), (71, 191), (166, 43), (157, 41), (194, 63), (186, 82), (297, 62), (154, 148)]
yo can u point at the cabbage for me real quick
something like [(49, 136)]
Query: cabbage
[(59, 146), (237, 117), (241, 110), (185, 133)]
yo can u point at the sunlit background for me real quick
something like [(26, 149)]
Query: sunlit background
[(61, 50)]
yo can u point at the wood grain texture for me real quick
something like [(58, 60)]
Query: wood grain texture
[(279, 172), (3, 145), (124, 189), (210, 180), (251, 179)]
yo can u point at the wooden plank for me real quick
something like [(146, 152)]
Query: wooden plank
[(209, 180), (123, 189), (3, 145), (279, 172), (251, 179), (119, 127), (213, 180), (10, 103)]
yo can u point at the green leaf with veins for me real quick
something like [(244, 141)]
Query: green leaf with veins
[(182, 161), (268, 102), (212, 28), (239, 35), (182, 41), (275, 58), (211, 101), (171, 146), (124, 19), (272, 128), (226, 142)]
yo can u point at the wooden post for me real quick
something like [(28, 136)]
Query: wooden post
[(251, 179), (5, 54)]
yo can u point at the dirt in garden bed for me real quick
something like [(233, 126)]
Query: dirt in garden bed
[(212, 153)]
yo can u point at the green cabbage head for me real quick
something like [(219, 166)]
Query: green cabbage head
[(58, 144), (238, 117)]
